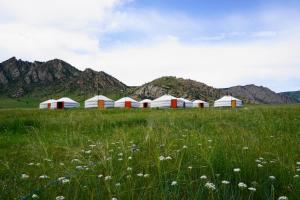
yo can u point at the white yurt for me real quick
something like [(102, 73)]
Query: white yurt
[(167, 101), (99, 101), (146, 103), (200, 104), (187, 103), (126, 102), (47, 104), (65, 102), (228, 101)]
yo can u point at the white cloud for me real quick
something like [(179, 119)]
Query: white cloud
[(74, 30)]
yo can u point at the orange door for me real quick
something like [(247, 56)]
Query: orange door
[(233, 103), (100, 103), (174, 103), (127, 104), (49, 105)]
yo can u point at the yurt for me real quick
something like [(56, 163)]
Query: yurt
[(200, 104), (65, 102), (186, 103), (228, 101), (47, 104), (99, 101), (167, 101), (146, 103), (126, 102)]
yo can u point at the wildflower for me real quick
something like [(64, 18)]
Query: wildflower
[(30, 164), (118, 184), (100, 176), (47, 159), (80, 167), (252, 189), (24, 176), (258, 161), (140, 174), (129, 169), (272, 177), (120, 154), (297, 163), (61, 164), (245, 148), (146, 175), (209, 140), (114, 198), (168, 158), (75, 160), (60, 198), (236, 169), (190, 167), (128, 176), (129, 158), (242, 185), (184, 147), (92, 145), (44, 177), (37, 164), (120, 159), (64, 181), (174, 183), (88, 151), (107, 178), (210, 186), (296, 176), (282, 198), (225, 182), (298, 169), (35, 196), (259, 165), (203, 177), (161, 158)]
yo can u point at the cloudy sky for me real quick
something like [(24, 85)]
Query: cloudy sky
[(221, 43)]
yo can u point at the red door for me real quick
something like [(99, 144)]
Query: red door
[(127, 104), (174, 103), (49, 105)]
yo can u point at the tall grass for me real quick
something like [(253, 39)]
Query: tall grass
[(144, 151)]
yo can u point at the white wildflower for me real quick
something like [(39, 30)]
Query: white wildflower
[(30, 164), (129, 158), (35, 196), (75, 160), (146, 175), (140, 174), (236, 169), (168, 158), (44, 177), (47, 159), (88, 152), (61, 164), (203, 177), (296, 176), (64, 181), (120, 159), (80, 167), (161, 158), (114, 198), (225, 182), (252, 189), (210, 186), (298, 163), (120, 154), (118, 184), (107, 178), (259, 165), (92, 145), (100, 176), (24, 176), (37, 164), (184, 147), (190, 167), (209, 140), (272, 177), (129, 169), (128, 176), (242, 185), (282, 198), (174, 183), (245, 148), (60, 198), (298, 169)]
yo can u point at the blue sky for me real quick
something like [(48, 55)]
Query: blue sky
[(221, 43)]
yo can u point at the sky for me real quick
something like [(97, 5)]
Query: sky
[(218, 42)]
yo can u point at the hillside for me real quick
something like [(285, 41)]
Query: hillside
[(44, 79), (292, 94), (257, 94)]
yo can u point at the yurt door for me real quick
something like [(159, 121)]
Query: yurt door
[(100, 103), (233, 103), (174, 103), (201, 105), (49, 105), (145, 105), (127, 104), (60, 105)]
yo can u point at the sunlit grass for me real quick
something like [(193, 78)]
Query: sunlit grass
[(151, 154)]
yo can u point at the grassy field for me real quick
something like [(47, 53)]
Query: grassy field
[(247, 153)]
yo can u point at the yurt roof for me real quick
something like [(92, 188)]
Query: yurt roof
[(146, 101), (227, 98), (185, 100), (199, 101), (66, 99), (99, 97), (125, 99), (165, 97), (49, 101)]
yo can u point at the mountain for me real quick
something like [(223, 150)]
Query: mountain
[(195, 90), (19, 78), (55, 78), (178, 87), (257, 95), (292, 94)]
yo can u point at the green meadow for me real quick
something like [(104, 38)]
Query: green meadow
[(247, 153)]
